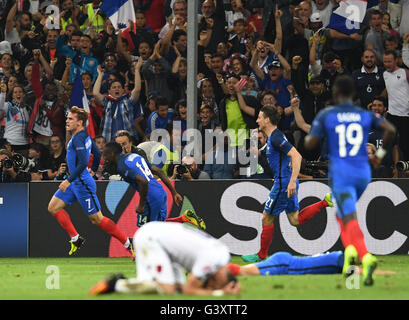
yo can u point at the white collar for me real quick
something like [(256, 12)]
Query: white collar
[(375, 70)]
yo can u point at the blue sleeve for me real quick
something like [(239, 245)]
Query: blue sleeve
[(317, 127), (97, 156), (151, 122), (78, 144), (63, 49), (281, 143)]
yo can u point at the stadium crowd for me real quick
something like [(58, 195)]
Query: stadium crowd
[(251, 53)]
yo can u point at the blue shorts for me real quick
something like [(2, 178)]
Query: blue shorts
[(282, 263), (278, 201), (85, 192), (155, 210), (347, 185)]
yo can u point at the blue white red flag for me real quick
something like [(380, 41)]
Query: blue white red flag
[(80, 100), (119, 12), (347, 18)]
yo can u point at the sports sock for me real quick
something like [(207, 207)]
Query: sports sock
[(356, 237), (310, 211), (234, 269), (266, 237), (179, 219), (111, 228), (344, 236), (64, 220)]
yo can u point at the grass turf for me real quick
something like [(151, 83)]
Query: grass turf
[(26, 279)]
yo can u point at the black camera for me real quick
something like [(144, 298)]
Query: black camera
[(182, 169), (316, 169), (6, 163), (402, 165)]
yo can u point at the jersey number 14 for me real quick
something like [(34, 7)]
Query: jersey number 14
[(350, 134)]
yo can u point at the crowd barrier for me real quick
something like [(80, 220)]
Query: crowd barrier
[(231, 209)]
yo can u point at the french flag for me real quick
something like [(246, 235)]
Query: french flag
[(119, 12), (80, 100), (347, 18)]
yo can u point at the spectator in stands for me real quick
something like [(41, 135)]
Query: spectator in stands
[(397, 86), (16, 116), (120, 108), (379, 105), (161, 117), (369, 79), (57, 155), (155, 71), (188, 170)]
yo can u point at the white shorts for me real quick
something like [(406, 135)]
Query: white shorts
[(154, 264)]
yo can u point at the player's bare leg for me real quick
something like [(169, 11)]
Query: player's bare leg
[(56, 208)]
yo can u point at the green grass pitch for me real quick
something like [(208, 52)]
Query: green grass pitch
[(27, 279)]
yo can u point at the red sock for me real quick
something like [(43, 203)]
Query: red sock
[(266, 237), (344, 236), (234, 269), (64, 220), (356, 237), (179, 219), (310, 211), (111, 228)]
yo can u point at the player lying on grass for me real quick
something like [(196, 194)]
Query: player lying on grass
[(283, 263), (164, 251), (138, 172)]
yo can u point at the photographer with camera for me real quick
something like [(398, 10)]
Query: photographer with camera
[(9, 170), (188, 170)]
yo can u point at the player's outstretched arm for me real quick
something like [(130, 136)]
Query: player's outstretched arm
[(176, 196)]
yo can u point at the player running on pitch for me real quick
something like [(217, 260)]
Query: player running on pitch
[(152, 206), (80, 186), (285, 161), (164, 251), (346, 128)]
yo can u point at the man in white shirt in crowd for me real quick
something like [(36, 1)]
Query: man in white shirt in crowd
[(397, 86)]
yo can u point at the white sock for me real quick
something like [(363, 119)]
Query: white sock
[(75, 238), (127, 243)]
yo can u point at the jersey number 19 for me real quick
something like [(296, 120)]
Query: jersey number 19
[(349, 134)]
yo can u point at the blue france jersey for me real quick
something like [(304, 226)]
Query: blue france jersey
[(277, 149), (346, 128), (132, 165), (78, 153)]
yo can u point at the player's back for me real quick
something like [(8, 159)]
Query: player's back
[(80, 145), (132, 165), (277, 148), (347, 129), (190, 248)]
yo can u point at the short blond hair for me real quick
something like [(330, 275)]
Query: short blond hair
[(81, 114)]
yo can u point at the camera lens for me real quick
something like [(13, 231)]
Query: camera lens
[(402, 165), (182, 169)]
